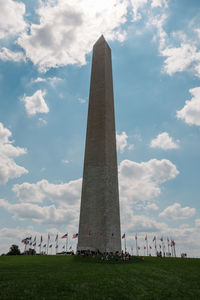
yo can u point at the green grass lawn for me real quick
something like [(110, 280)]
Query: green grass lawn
[(72, 277)]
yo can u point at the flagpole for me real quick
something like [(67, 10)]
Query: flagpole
[(168, 246), (66, 242), (48, 245), (163, 246), (125, 244), (147, 246), (171, 248), (136, 244)]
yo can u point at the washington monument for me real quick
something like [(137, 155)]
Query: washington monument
[(99, 224)]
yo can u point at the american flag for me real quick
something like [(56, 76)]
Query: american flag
[(24, 241), (123, 236), (64, 236), (75, 235)]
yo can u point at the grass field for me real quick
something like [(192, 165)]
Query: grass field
[(72, 277)]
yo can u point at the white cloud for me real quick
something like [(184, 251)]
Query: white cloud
[(164, 141), (42, 121), (11, 18), (158, 22), (122, 143), (65, 161), (152, 206), (8, 168), (46, 214), (156, 3), (131, 147), (8, 55), (180, 50), (176, 212), (52, 80), (82, 100), (36, 103), (180, 58), (197, 222), (63, 194), (39, 79), (141, 181), (190, 113), (144, 224), (137, 5), (67, 30), (159, 3), (137, 182)]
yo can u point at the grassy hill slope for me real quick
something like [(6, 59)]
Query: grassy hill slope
[(72, 277)]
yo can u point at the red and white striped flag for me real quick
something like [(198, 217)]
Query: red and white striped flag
[(75, 235), (64, 236)]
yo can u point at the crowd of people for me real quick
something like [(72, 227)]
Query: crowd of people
[(106, 256)]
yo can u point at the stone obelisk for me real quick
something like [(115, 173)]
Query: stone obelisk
[(99, 224)]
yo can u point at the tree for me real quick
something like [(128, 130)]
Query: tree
[(30, 252), (14, 250)]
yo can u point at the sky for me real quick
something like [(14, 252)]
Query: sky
[(45, 65)]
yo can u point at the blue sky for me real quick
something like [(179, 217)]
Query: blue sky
[(45, 63)]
